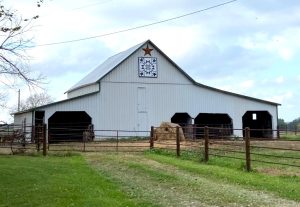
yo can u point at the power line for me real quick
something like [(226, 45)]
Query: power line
[(137, 27)]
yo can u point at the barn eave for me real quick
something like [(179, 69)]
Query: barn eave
[(53, 103), (237, 95)]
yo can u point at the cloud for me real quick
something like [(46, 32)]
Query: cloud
[(247, 84), (283, 97), (279, 79), (284, 44)]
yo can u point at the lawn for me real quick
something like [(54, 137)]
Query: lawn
[(140, 179), (56, 181), (168, 181), (290, 136)]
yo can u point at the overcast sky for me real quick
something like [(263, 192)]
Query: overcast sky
[(250, 47)]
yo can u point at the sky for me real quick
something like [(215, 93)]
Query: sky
[(249, 47)]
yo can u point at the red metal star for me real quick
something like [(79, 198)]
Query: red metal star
[(147, 51)]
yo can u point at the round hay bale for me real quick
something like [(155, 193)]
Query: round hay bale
[(167, 131)]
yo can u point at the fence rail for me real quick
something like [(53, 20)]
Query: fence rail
[(245, 148), (208, 142)]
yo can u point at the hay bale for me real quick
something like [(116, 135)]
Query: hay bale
[(167, 131)]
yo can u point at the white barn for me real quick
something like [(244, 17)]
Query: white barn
[(141, 87)]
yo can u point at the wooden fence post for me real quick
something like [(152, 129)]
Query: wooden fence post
[(38, 134), (177, 142), (32, 134), (206, 140), (117, 140), (84, 140), (247, 149), (44, 140), (152, 138)]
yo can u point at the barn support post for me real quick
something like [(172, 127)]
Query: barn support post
[(117, 146), (151, 138), (44, 140), (33, 134), (278, 132), (177, 142), (38, 133), (247, 149), (24, 126), (84, 140), (206, 140), (222, 131)]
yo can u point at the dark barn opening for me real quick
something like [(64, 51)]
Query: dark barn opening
[(259, 122), (182, 119), (68, 125), (185, 121), (39, 120), (222, 122)]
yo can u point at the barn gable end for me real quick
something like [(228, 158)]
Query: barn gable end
[(124, 66), (166, 71)]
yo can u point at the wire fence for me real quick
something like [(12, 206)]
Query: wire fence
[(100, 141), (251, 151), (205, 142)]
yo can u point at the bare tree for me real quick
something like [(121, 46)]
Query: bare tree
[(2, 99), (35, 100), (13, 45)]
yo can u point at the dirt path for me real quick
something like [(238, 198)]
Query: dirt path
[(160, 184)]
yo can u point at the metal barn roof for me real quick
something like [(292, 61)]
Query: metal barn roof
[(107, 66)]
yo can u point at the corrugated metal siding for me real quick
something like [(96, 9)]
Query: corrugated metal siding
[(162, 101), (24, 118), (87, 103), (84, 90), (116, 107)]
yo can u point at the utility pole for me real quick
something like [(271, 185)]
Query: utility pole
[(19, 95)]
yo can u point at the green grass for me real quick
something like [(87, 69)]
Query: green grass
[(56, 181), (226, 170), (164, 180), (290, 137), (150, 179)]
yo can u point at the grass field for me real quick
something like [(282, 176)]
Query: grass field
[(143, 179), (56, 181), (290, 136)]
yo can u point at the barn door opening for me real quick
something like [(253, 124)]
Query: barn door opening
[(39, 118), (185, 121), (222, 123), (68, 125), (182, 119), (260, 123)]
